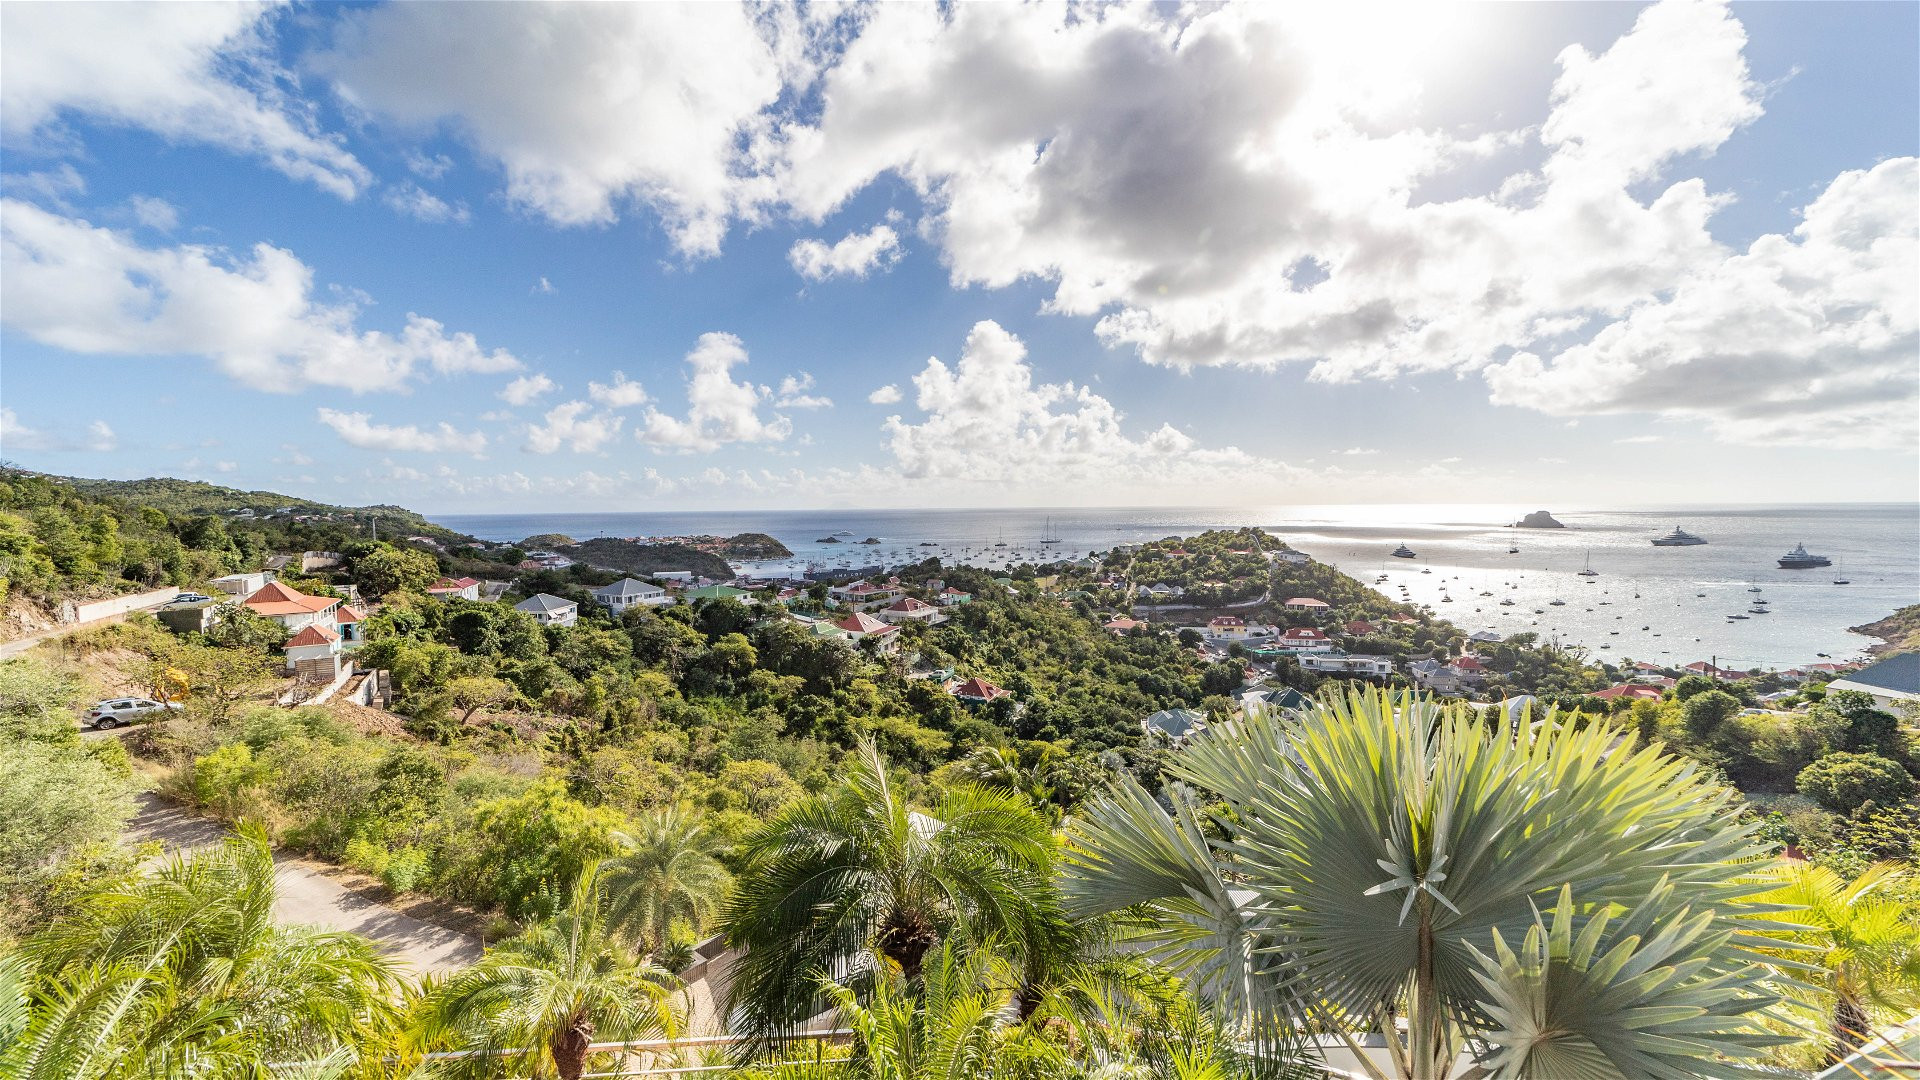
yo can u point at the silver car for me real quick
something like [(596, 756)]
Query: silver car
[(113, 712)]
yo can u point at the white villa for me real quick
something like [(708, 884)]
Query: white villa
[(630, 592), (550, 610)]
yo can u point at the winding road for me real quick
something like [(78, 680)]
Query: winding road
[(306, 895)]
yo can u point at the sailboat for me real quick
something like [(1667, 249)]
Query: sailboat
[(1513, 541), (1047, 536), (1842, 578), (1589, 572)]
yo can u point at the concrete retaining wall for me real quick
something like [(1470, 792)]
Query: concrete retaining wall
[(71, 612)]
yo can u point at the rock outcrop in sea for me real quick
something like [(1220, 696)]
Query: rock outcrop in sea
[(1539, 519)]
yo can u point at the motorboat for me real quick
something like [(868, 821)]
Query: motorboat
[(1800, 559), (1678, 538), (1556, 603)]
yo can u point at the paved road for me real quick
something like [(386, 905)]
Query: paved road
[(305, 895)]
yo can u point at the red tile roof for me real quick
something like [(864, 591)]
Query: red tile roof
[(908, 603), (862, 623), (312, 635), (1359, 627), (1303, 633), (346, 615), (979, 689), (1628, 690), (277, 599), (1468, 663)]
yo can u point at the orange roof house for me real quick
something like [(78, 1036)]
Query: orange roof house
[(977, 689), (276, 601)]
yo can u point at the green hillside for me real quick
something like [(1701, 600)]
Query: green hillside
[(187, 497)]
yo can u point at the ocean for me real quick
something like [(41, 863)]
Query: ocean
[(1668, 605)]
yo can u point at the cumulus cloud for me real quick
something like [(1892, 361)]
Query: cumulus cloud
[(1811, 338), (621, 393), (544, 287), (198, 73), (15, 436), (585, 107), (793, 394), (422, 205), (989, 424), (527, 389), (574, 426), (853, 255), (92, 290), (719, 410), (157, 214), (1240, 184), (886, 395), (359, 429)]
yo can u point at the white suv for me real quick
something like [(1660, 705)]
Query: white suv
[(116, 711)]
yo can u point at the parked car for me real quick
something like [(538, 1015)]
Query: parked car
[(113, 712), (192, 598)]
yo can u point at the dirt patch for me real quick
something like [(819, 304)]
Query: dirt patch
[(424, 908), (21, 617), (369, 721)]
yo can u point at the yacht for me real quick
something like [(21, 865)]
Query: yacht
[(1798, 559), (1756, 611), (1556, 603), (1678, 538), (1403, 552), (1589, 572)]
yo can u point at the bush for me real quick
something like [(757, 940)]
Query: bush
[(1844, 783), (407, 869)]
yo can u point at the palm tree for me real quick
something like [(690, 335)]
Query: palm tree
[(1384, 852), (183, 969), (665, 872), (553, 988), (836, 880), (1860, 938)]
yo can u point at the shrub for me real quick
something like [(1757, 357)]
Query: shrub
[(407, 869), (1844, 783), (225, 779)]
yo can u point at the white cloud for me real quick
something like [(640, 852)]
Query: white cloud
[(720, 411), (793, 394), (15, 436), (572, 426), (989, 426), (295, 455), (1358, 451), (586, 107), (544, 287), (622, 393), (358, 429), (527, 389), (188, 72), (93, 290), (55, 187), (1244, 185), (417, 202), (156, 214), (428, 166), (226, 466), (853, 255), (1630, 440), (886, 395), (1809, 339)]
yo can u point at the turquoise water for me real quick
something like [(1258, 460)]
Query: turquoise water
[(1875, 546)]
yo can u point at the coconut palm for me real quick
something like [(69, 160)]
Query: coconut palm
[(1866, 950), (541, 998), (1383, 850), (665, 872), (182, 970), (838, 881)]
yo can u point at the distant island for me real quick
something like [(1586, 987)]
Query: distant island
[(707, 556), (1539, 519)]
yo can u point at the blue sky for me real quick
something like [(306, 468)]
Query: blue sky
[(1599, 253)]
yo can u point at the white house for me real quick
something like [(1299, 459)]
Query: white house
[(293, 609), (1227, 628), (629, 592), (1485, 637), (1305, 639), (1173, 725), (1292, 557), (907, 609), (1346, 664), (549, 610), (865, 595), (1891, 681), (465, 588), (313, 654), (1307, 603), (1160, 590)]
